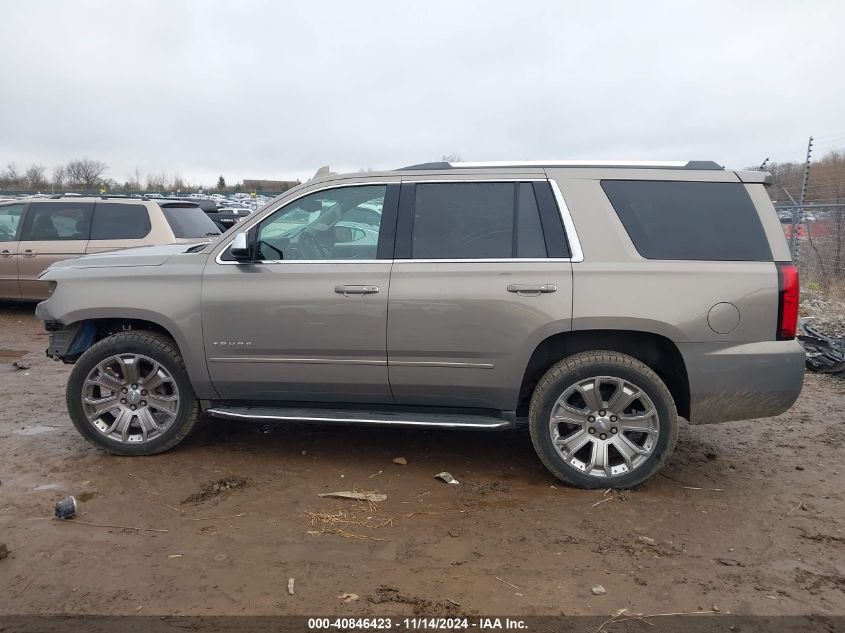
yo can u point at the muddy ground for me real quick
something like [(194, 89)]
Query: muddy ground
[(748, 517)]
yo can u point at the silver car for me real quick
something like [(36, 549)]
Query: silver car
[(596, 303)]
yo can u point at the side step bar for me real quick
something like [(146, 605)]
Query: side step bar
[(351, 416)]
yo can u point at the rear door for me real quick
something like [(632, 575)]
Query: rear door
[(482, 274), (10, 217), (52, 230)]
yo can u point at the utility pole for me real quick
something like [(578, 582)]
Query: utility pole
[(800, 208)]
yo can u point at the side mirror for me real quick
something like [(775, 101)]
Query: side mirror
[(239, 248)]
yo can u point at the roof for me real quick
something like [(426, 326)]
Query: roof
[(621, 164)]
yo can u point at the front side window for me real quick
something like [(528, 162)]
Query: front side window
[(476, 221), (341, 223), (119, 221), (10, 217), (57, 221)]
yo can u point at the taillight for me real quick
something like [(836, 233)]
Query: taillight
[(787, 301)]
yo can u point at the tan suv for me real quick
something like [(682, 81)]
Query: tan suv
[(597, 303), (35, 233)]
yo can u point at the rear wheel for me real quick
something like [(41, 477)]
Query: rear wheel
[(602, 420), (129, 394)]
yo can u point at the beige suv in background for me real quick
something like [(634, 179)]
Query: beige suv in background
[(35, 233)]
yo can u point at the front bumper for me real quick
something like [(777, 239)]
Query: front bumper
[(742, 381)]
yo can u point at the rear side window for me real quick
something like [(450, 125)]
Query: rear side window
[(57, 221), (118, 221), (709, 221), (187, 220), (476, 221)]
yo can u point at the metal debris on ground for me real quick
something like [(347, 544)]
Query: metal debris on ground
[(598, 590), (444, 476), (66, 508), (16, 366), (290, 586), (348, 597), (823, 353), (400, 460), (373, 497)]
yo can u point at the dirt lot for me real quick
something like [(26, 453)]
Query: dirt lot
[(748, 517)]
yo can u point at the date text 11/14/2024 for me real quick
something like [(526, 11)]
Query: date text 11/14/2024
[(416, 623)]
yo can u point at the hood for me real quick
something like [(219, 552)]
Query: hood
[(141, 256)]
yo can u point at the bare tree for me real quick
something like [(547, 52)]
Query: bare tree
[(58, 176), (157, 182), (36, 177), (85, 172), (10, 177), (454, 157)]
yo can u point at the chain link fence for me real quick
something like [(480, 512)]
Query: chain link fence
[(816, 235)]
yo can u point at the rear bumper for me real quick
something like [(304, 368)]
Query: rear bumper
[(741, 381)]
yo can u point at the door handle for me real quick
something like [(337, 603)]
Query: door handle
[(29, 253), (6, 253), (356, 290), (532, 289)]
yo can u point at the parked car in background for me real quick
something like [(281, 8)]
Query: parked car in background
[(35, 233), (596, 303), (224, 219)]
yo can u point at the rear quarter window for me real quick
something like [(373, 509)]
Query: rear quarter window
[(709, 221), (187, 220)]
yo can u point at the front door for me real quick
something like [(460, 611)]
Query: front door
[(482, 275), (52, 231), (306, 320), (10, 217)]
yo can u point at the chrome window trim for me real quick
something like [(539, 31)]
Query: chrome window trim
[(575, 252), (568, 226), (496, 260)]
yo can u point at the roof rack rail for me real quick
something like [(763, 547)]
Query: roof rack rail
[(122, 195), (643, 164)]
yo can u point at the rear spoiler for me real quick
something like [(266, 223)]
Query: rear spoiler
[(755, 177)]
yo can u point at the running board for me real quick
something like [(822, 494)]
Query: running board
[(352, 416)]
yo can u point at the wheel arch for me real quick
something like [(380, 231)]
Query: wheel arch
[(654, 350), (104, 326)]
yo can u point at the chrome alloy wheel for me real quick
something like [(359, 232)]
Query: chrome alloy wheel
[(130, 398), (604, 426)]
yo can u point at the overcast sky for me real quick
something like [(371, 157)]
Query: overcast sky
[(276, 89)]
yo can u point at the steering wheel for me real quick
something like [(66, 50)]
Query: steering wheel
[(307, 242)]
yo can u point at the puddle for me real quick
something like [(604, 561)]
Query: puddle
[(36, 429)]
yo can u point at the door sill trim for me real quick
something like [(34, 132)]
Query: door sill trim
[(405, 419)]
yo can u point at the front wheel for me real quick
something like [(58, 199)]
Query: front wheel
[(129, 394), (602, 420)]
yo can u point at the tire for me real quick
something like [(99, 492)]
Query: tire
[(591, 378), (97, 381)]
